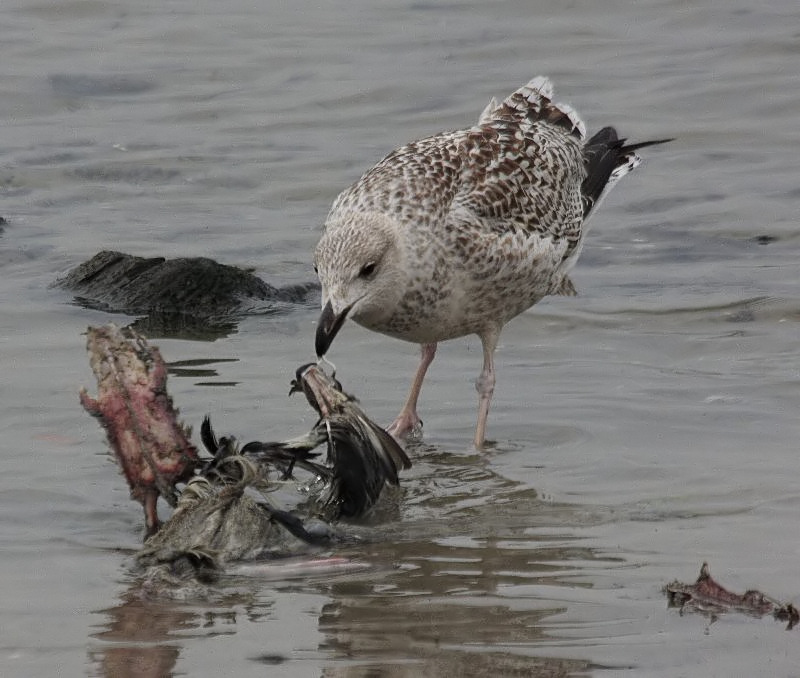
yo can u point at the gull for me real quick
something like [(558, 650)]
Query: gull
[(460, 232)]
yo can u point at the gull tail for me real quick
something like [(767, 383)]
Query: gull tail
[(607, 160)]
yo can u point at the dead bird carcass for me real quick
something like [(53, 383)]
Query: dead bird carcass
[(711, 599), (150, 443), (223, 514)]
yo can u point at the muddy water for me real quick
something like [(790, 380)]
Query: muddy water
[(640, 428)]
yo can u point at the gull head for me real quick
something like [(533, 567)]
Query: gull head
[(359, 264)]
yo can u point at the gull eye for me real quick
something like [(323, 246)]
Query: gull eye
[(316, 270), (367, 270)]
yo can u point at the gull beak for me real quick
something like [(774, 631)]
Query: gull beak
[(328, 326)]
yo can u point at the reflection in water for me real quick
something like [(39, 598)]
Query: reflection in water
[(144, 636), (463, 583), (457, 610), (142, 640), (470, 588)]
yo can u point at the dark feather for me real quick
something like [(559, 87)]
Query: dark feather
[(363, 458), (286, 455), (604, 153)]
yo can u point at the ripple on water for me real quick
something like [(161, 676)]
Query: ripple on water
[(100, 85)]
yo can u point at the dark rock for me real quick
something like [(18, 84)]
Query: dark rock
[(179, 295)]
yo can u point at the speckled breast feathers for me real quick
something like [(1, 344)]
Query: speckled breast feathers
[(472, 213)]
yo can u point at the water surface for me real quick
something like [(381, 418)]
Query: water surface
[(640, 428)]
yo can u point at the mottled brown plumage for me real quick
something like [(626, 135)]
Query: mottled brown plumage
[(460, 232)]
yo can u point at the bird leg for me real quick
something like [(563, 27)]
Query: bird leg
[(408, 420), (151, 521), (484, 384)]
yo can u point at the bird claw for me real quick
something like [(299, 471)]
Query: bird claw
[(407, 426)]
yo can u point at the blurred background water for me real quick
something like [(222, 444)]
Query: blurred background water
[(642, 427)]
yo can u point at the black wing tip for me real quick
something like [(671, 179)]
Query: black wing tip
[(609, 138), (604, 154), (605, 136), (643, 144)]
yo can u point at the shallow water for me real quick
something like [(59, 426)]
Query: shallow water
[(642, 427)]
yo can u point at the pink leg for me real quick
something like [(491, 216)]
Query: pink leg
[(484, 384), (408, 420), (151, 521)]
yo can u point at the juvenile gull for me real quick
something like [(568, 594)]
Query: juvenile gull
[(460, 232)]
